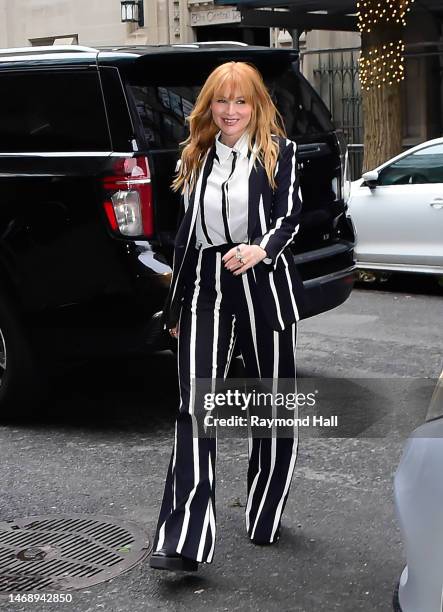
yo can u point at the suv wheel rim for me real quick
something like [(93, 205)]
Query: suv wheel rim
[(2, 356)]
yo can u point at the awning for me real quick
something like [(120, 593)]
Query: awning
[(311, 14)]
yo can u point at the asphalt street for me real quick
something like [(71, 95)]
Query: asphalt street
[(103, 447)]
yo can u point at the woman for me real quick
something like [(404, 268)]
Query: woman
[(234, 281)]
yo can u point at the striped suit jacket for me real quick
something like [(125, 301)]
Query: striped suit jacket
[(273, 221)]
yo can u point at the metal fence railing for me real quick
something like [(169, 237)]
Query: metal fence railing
[(334, 75)]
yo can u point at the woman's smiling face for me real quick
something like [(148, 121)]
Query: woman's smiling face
[(232, 114)]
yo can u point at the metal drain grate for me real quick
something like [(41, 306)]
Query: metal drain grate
[(63, 552)]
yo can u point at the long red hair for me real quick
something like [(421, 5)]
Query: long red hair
[(265, 121)]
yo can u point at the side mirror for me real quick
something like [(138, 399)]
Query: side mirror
[(370, 179)]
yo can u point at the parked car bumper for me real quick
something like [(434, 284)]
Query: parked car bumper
[(334, 285), (327, 292), (398, 267)]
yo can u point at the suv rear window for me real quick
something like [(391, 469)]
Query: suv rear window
[(44, 111), (163, 107)]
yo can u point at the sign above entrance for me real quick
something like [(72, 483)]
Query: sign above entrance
[(215, 16)]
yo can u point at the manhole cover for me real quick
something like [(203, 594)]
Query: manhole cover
[(63, 552)]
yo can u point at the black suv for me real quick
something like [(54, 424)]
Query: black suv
[(89, 140)]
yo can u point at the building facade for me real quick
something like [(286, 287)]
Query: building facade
[(86, 22), (98, 22)]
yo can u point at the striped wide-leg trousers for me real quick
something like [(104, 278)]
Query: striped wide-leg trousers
[(219, 311)]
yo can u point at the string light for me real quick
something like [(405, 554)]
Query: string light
[(370, 13), (382, 64)]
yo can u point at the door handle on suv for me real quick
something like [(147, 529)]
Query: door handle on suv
[(436, 203)]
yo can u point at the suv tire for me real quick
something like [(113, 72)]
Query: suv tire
[(18, 379)]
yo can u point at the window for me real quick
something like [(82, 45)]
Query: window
[(60, 110), (163, 106), (162, 111), (423, 166)]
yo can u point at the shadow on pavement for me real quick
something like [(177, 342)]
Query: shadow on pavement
[(138, 394), (135, 393)]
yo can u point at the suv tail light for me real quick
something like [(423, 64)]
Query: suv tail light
[(128, 204)]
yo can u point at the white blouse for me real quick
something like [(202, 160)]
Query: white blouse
[(223, 213)]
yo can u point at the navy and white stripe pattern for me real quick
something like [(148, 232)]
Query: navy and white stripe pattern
[(273, 222), (285, 223), (220, 311)]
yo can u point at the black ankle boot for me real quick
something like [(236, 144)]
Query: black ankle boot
[(259, 542), (160, 559)]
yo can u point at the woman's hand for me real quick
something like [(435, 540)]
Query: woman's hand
[(174, 331), (251, 254)]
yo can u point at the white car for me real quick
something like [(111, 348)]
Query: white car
[(397, 211), (418, 489)]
